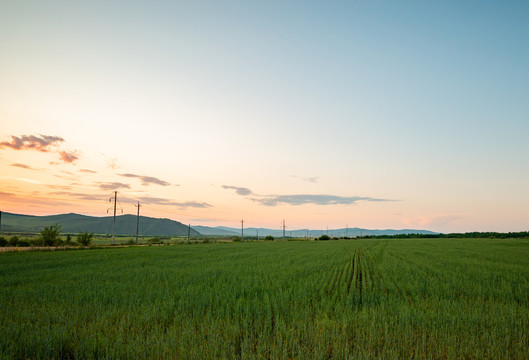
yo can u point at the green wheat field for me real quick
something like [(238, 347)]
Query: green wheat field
[(358, 299)]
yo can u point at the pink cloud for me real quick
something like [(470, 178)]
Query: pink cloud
[(32, 142), (69, 157), (42, 143)]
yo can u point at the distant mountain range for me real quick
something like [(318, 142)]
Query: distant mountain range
[(74, 223), (126, 225), (300, 233)]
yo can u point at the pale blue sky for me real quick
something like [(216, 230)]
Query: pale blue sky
[(423, 103)]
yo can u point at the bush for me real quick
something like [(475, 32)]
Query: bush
[(85, 238), (13, 240), (23, 243), (324, 237), (36, 242), (269, 237), (155, 240), (50, 235), (3, 242)]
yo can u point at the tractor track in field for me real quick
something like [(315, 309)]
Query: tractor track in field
[(355, 279)]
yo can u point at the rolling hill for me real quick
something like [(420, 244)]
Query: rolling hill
[(74, 223)]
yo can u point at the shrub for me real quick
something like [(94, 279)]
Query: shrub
[(13, 240), (36, 242), (3, 242), (50, 235), (23, 243), (84, 238), (324, 237), (269, 237), (155, 240)]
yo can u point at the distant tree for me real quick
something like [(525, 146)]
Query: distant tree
[(85, 238), (155, 240), (3, 242), (324, 237), (68, 239), (23, 243), (50, 235), (13, 240), (269, 237)]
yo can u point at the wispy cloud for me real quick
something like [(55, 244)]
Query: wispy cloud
[(4, 194), (113, 186), (32, 142), (88, 171), (164, 201), (303, 199), (80, 196), (42, 143), (61, 187), (239, 190), (300, 199), (23, 166), (69, 156), (113, 163), (307, 179), (147, 180)]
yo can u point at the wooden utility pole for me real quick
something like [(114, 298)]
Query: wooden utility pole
[(114, 227), (188, 232), (138, 222), (283, 229), (242, 230)]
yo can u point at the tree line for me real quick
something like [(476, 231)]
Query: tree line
[(49, 236)]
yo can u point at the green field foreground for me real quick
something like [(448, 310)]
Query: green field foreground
[(437, 298)]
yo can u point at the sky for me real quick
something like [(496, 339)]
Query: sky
[(371, 114)]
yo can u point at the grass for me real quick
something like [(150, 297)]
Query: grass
[(438, 298)]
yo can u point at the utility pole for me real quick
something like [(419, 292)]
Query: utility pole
[(307, 233), (242, 230), (257, 233), (114, 224), (327, 231), (188, 232), (283, 229), (346, 230), (138, 222)]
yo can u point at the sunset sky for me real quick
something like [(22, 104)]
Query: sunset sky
[(372, 114)]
